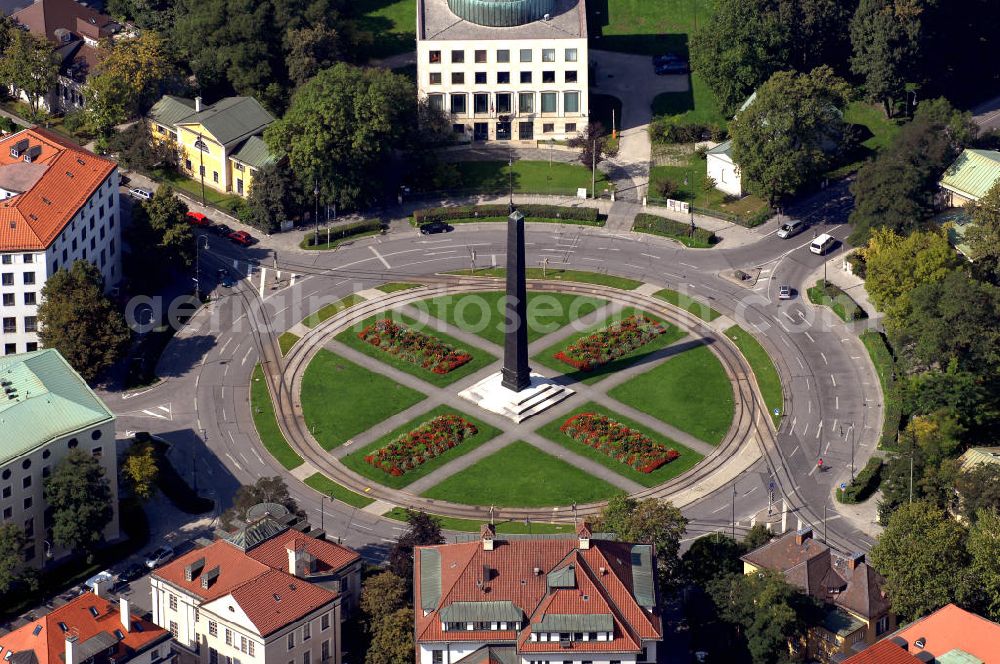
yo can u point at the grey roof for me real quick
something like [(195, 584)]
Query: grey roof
[(642, 575), (564, 577), (501, 13), (95, 645), (250, 535), (722, 148), (170, 110), (430, 579), (491, 655), (841, 622), (437, 21), (232, 119), (498, 611), (584, 622), (254, 153)]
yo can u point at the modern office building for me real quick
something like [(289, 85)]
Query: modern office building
[(58, 203), (505, 69), (46, 411)]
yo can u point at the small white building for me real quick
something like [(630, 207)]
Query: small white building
[(723, 170), (47, 410), (505, 69), (58, 203)]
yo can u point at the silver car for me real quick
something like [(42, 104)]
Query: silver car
[(160, 556), (140, 193), (784, 292)]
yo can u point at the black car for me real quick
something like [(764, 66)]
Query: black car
[(222, 229), (666, 58), (671, 68), (435, 227)]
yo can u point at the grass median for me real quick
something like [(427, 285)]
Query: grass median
[(768, 380), (266, 422), (324, 484), (330, 310), (503, 527), (551, 274), (688, 303)]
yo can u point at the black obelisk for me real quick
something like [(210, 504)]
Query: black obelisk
[(516, 372)]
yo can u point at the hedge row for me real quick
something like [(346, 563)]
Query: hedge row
[(864, 485), (892, 392), (668, 130), (586, 215), (649, 223), (340, 232)]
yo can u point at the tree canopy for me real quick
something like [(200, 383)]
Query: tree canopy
[(650, 521), (382, 595), (79, 494), (885, 37), (11, 554), (29, 65), (392, 639), (275, 196), (984, 550), (791, 132), (77, 319), (139, 469), (264, 490), (424, 529), (983, 235)]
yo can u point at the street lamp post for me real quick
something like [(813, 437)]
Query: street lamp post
[(197, 265), (316, 211), (734, 510)]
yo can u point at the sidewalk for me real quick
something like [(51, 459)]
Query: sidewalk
[(838, 273)]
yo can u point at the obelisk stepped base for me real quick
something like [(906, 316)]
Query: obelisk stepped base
[(540, 394)]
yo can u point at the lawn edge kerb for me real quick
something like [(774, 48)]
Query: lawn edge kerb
[(334, 308), (551, 274), (473, 525), (325, 485), (688, 304), (273, 440), (764, 370)]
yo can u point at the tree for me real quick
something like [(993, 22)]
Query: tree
[(712, 557), (135, 148), (937, 435), (78, 320), (29, 65), (884, 35), (979, 488), (311, 49), (757, 537), (983, 235), (11, 554), (340, 128), (139, 469), (127, 78), (789, 135), (984, 550), (159, 227), (424, 530), (264, 490), (382, 595), (595, 145), (79, 495), (920, 553), (275, 196), (896, 265), (650, 521), (392, 639), (962, 392), (157, 15)]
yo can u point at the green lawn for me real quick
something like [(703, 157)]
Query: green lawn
[(392, 24), (226, 202), (396, 286), (286, 341), (356, 459), (551, 274), (483, 314), (877, 129), (341, 399), (828, 295), (267, 424), (503, 527), (330, 310), (307, 241), (688, 303), (530, 177), (480, 358), (694, 106), (686, 461), (763, 368), (690, 391), (520, 475), (324, 484), (546, 358), (689, 185)]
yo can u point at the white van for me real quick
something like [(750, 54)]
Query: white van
[(821, 244), (790, 228)]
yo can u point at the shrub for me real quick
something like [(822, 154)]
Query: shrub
[(649, 223), (668, 130), (865, 483), (586, 215), (665, 188), (340, 232)]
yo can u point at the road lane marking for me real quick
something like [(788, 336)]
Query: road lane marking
[(819, 431), (836, 403), (651, 256), (752, 489), (785, 313), (809, 336), (793, 452), (834, 380), (380, 257), (823, 355), (805, 429), (235, 462), (716, 511), (801, 366)]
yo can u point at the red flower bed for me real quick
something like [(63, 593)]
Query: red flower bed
[(430, 439), (618, 441), (610, 343), (420, 349)]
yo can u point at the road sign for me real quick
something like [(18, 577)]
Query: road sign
[(843, 485), (777, 412), (770, 486)]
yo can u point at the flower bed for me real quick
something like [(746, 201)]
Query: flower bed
[(420, 349), (618, 441), (430, 439), (610, 343)]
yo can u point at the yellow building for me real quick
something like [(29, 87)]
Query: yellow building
[(218, 144), (856, 609)]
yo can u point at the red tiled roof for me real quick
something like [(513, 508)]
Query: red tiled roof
[(277, 598), (50, 641), (235, 569), (949, 628), (31, 220), (329, 556), (883, 652), (44, 17)]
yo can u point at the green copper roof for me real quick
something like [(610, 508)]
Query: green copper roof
[(564, 577), (492, 611), (170, 110), (254, 153), (958, 656), (642, 575), (430, 578), (501, 13), (232, 119), (42, 398), (978, 455), (567, 622), (973, 173)]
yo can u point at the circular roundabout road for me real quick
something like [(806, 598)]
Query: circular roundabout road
[(202, 405)]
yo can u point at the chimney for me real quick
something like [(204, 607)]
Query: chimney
[(855, 559), (192, 570), (802, 535), (197, 104), (124, 615), (71, 649), (583, 533), (487, 533), (299, 560)]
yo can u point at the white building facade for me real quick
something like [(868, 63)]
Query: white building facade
[(505, 71), (60, 204), (723, 170)]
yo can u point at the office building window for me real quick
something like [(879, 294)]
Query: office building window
[(571, 76), (503, 55), (9, 349), (458, 128), (250, 648), (457, 78), (7, 279), (239, 185), (28, 258), (570, 55), (549, 102), (434, 57), (213, 628), (213, 656), (7, 491), (503, 77), (10, 325), (525, 55), (173, 629), (548, 55), (457, 57), (324, 651), (215, 176), (229, 637), (548, 77), (324, 622), (243, 643), (27, 503), (480, 56), (291, 640), (8, 299), (526, 102), (571, 102), (306, 632), (480, 78), (548, 128), (30, 323), (525, 77), (437, 657), (570, 127), (306, 656), (435, 78), (458, 103), (7, 259), (7, 511), (480, 103), (503, 102), (172, 601)]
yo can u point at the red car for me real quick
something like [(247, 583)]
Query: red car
[(241, 238), (198, 219)]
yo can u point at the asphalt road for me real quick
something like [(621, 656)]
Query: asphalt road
[(202, 409)]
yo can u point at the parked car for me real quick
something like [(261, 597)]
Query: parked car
[(160, 556), (131, 572), (140, 193), (671, 69), (241, 238), (666, 58), (222, 230), (784, 292), (198, 219), (224, 279), (435, 227)]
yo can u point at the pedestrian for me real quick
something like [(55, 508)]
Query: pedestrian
[(819, 464)]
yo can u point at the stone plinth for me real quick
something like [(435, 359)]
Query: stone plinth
[(542, 393)]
